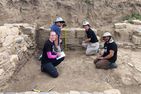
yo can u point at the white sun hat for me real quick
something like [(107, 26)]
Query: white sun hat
[(86, 23), (106, 34), (59, 19)]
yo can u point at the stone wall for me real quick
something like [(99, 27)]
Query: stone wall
[(128, 34), (17, 44), (72, 37)]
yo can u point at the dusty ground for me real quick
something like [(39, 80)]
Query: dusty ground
[(77, 72)]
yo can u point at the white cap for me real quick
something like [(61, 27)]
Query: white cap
[(106, 34), (59, 19), (86, 23)]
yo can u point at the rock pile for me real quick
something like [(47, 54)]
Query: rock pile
[(128, 35), (17, 44)]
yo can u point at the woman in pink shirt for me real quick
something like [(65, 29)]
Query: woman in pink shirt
[(49, 57)]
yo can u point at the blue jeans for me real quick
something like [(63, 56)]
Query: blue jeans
[(49, 67)]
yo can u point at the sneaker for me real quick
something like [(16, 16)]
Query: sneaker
[(42, 70), (113, 65)]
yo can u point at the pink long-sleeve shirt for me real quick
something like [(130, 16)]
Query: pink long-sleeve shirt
[(51, 56)]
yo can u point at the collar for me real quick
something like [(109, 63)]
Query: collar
[(110, 41)]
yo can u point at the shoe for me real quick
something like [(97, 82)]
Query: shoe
[(113, 65), (42, 70)]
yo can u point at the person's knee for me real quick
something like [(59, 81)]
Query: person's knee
[(88, 52), (97, 65), (95, 61), (91, 52), (54, 74), (84, 45), (50, 69), (102, 64)]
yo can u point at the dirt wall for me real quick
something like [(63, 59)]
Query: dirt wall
[(43, 12)]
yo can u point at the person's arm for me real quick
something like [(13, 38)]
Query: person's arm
[(108, 56), (48, 51), (50, 56), (100, 54), (89, 36), (87, 40)]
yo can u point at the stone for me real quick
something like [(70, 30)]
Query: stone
[(126, 80), (20, 93), (136, 39), (19, 39), (136, 22), (74, 92), (53, 92), (65, 93), (137, 32), (1, 44), (43, 93), (98, 92), (14, 59), (1, 71), (24, 48), (130, 64), (10, 93), (14, 31), (4, 56), (27, 30), (84, 92), (30, 92), (120, 44), (127, 47), (137, 77), (17, 25), (112, 91), (26, 38), (4, 31), (120, 25), (137, 64), (122, 35), (8, 40)]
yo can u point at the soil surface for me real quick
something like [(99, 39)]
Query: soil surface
[(76, 72)]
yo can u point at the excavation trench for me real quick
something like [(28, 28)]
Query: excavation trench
[(77, 71)]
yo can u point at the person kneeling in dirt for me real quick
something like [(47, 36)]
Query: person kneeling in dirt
[(91, 43), (49, 57), (108, 58)]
